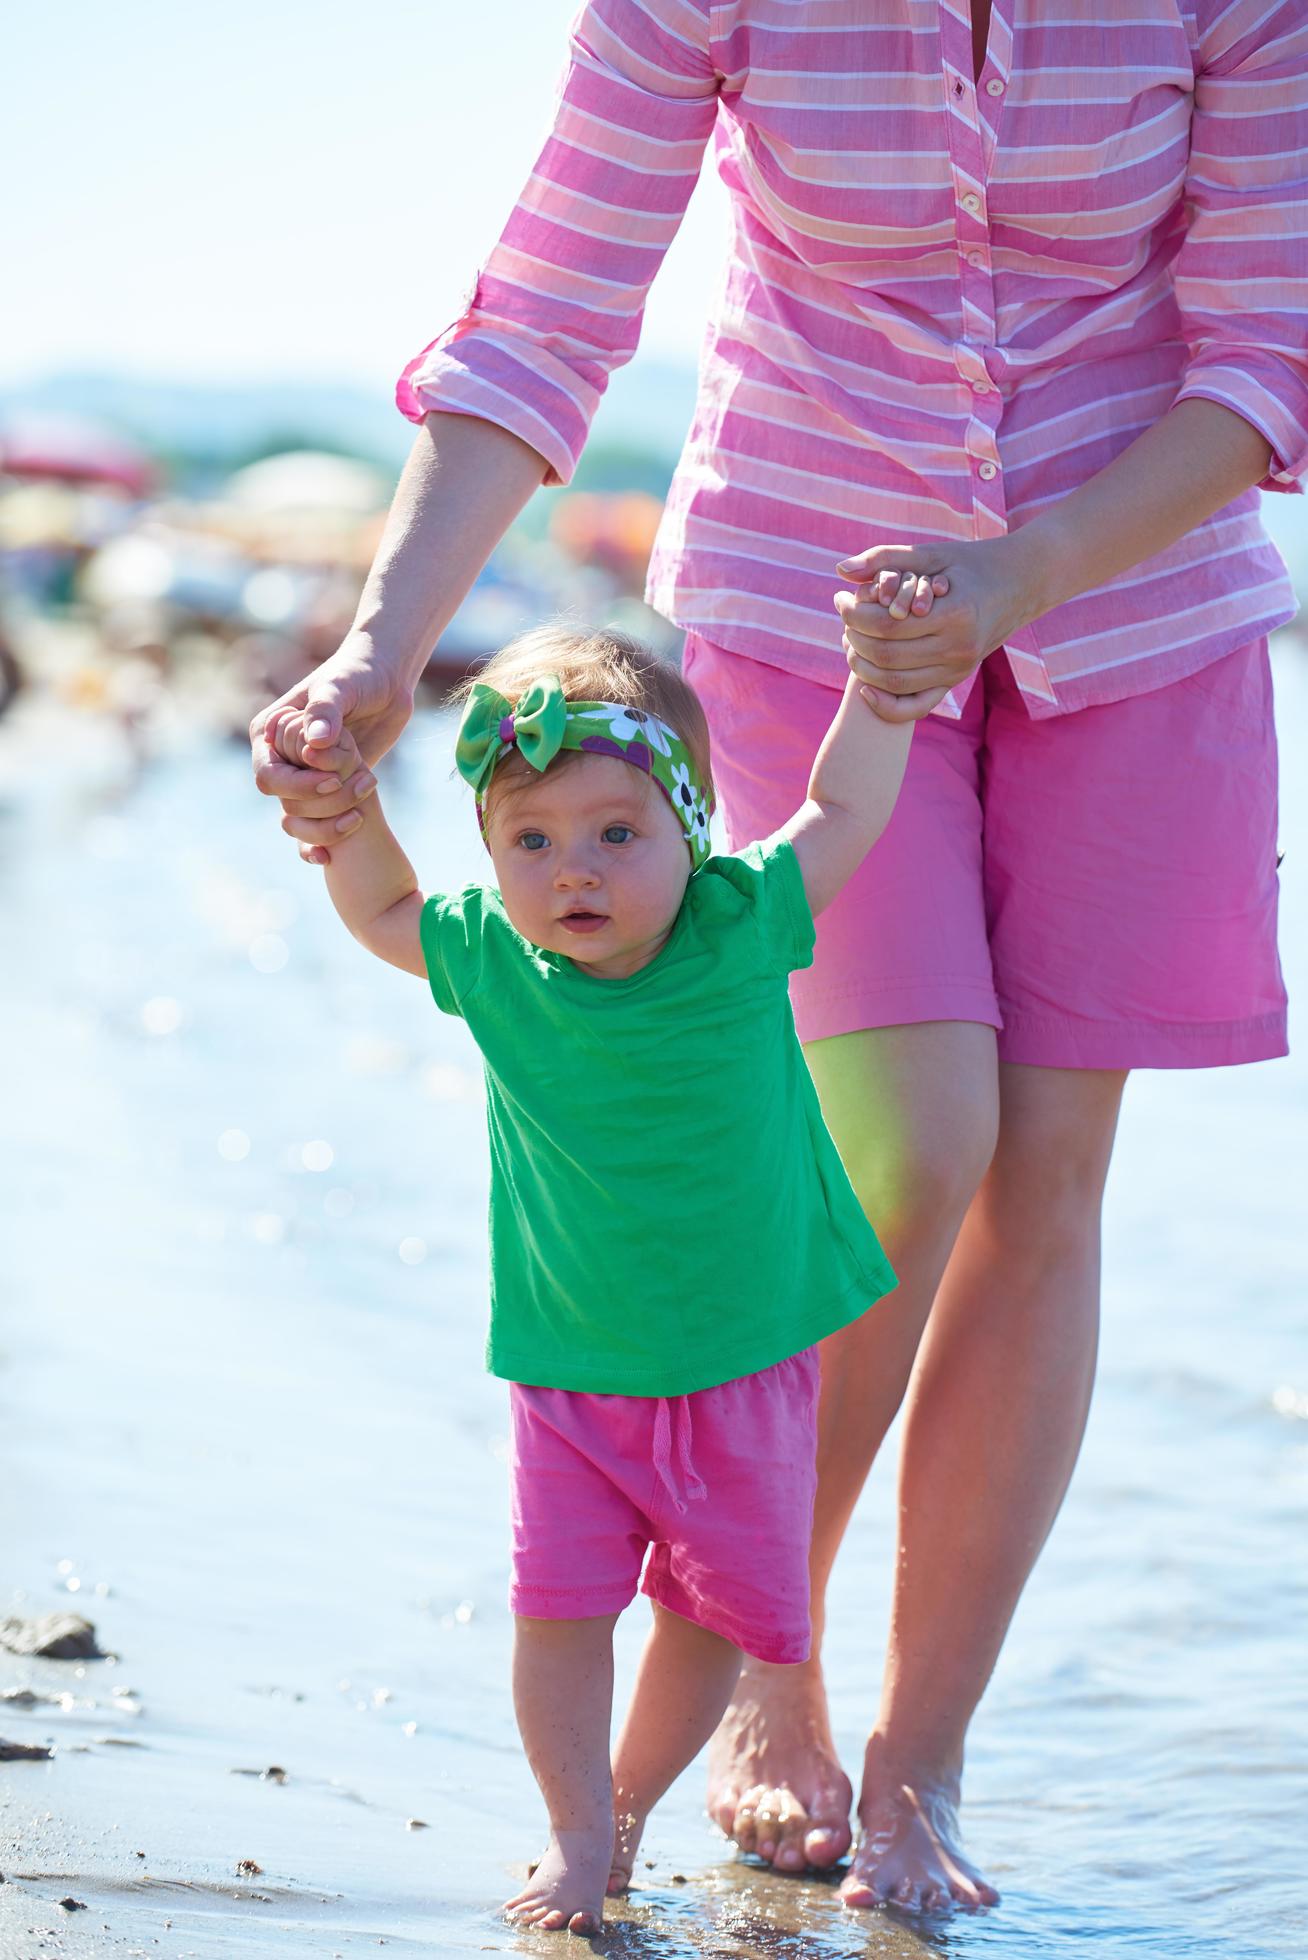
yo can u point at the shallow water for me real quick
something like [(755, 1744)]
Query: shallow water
[(240, 1389)]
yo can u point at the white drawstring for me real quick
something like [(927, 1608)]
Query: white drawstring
[(674, 1412)]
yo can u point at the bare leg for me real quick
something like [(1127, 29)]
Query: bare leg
[(563, 1695), (913, 1111), (684, 1683), (994, 1420)]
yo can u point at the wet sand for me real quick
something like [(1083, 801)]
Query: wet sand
[(245, 1431)]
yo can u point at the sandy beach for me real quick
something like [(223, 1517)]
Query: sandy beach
[(244, 1430)]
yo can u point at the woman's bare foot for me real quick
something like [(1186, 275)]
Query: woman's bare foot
[(566, 1889), (910, 1850), (775, 1785)]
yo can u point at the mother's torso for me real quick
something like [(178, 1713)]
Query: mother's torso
[(968, 263), (952, 294), (891, 152)]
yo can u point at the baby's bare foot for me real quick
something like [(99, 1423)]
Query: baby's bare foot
[(909, 1852), (566, 1889), (628, 1829), (775, 1785)]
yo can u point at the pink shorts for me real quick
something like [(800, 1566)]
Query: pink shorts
[(712, 1493), (1099, 886)]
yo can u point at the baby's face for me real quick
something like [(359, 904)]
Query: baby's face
[(592, 862)]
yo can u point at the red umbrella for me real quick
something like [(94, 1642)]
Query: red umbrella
[(73, 451)]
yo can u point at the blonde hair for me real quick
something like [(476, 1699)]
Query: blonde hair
[(605, 664)]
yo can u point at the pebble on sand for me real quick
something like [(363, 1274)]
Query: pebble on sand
[(24, 1752), (57, 1636), (248, 1869), (70, 1904)]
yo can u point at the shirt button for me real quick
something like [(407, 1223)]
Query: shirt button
[(971, 202), (977, 259), (980, 387), (987, 470), (994, 86)]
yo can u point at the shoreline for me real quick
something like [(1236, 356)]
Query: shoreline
[(241, 1389)]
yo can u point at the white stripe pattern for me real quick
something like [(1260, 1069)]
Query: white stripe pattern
[(949, 300)]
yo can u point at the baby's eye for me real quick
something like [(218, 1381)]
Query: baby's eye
[(533, 840), (618, 833)]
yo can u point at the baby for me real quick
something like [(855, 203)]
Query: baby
[(672, 1230)]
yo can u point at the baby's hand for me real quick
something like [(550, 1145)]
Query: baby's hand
[(902, 593), (288, 731), (342, 762)]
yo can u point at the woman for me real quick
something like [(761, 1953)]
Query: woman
[(1013, 301)]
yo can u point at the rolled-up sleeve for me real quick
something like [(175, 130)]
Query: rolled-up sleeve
[(1242, 272), (558, 303)]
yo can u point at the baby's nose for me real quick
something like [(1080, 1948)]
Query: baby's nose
[(578, 872)]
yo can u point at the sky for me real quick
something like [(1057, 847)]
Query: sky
[(257, 191)]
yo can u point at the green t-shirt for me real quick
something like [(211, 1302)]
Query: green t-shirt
[(667, 1208)]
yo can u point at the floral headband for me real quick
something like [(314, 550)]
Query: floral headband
[(542, 722)]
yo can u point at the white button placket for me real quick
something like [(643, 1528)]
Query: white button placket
[(970, 151), (972, 117)]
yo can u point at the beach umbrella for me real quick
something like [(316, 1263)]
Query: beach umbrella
[(71, 449), (308, 481), (305, 507)]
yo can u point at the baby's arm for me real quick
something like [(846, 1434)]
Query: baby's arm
[(373, 887), (851, 793), (369, 880)]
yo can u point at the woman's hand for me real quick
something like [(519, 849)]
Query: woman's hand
[(354, 694), (910, 655)]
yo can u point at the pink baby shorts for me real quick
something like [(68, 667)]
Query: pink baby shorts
[(705, 1500), (1098, 886)]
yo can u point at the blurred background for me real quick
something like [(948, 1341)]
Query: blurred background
[(235, 238), (244, 1431)]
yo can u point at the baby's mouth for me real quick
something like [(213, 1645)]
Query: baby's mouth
[(581, 920)]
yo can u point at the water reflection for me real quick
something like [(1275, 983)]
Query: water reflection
[(244, 1417)]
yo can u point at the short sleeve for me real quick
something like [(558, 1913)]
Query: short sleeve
[(1241, 276), (558, 303), (768, 877), (450, 929)]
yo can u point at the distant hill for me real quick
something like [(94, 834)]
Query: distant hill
[(643, 417), (203, 431)]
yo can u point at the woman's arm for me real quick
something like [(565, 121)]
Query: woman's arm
[(464, 483), (1194, 461), (506, 394)]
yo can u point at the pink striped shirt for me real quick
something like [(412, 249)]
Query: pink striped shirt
[(946, 303)]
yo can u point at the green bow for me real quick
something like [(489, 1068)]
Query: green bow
[(535, 725)]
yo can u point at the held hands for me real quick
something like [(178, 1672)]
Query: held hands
[(925, 616), (354, 706), (331, 777)]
